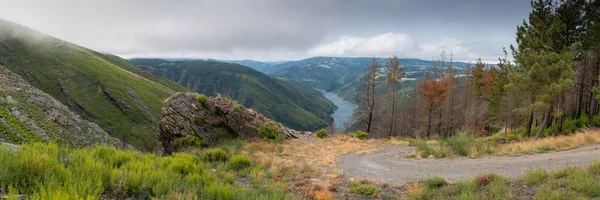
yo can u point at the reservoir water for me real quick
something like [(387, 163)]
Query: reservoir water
[(344, 112)]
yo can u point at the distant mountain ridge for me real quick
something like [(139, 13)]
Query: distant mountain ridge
[(342, 75), (297, 107)]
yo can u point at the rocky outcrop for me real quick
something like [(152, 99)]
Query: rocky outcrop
[(28, 114), (217, 118)]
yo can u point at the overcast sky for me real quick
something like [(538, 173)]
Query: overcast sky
[(273, 30)]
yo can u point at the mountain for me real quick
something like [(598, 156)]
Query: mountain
[(264, 67), (297, 107), (30, 115), (103, 89), (342, 75), (258, 66)]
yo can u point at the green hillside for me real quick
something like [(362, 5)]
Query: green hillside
[(96, 86), (297, 107)]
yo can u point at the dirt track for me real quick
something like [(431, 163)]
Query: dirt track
[(391, 165)]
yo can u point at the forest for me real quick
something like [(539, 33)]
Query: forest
[(549, 88)]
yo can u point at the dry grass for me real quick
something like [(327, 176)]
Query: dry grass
[(581, 138), (308, 159), (321, 152), (414, 187)]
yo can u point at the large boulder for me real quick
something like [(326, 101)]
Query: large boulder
[(216, 118)]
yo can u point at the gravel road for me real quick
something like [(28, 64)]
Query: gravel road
[(391, 165)]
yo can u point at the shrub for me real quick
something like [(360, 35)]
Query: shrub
[(201, 98), (461, 143), (584, 182), (215, 155), (595, 121), (361, 135), (594, 168), (217, 191), (322, 133), (238, 107), (239, 162), (198, 120), (465, 189), (269, 131), (185, 142), (485, 179), (533, 177), (364, 188), (434, 182)]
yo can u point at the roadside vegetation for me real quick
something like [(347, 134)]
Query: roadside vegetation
[(47, 171), (471, 145), (569, 183)]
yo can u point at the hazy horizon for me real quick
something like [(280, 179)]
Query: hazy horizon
[(278, 30)]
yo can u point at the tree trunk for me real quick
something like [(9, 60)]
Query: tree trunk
[(545, 123), (429, 122), (580, 97), (370, 119), (440, 122), (561, 119), (529, 123), (393, 109)]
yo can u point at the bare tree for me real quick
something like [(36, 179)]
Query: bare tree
[(367, 99), (393, 78)]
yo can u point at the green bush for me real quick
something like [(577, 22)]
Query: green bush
[(198, 120), (595, 121), (461, 143), (217, 191), (201, 98), (533, 177), (185, 142), (322, 133), (361, 135), (364, 188), (238, 107), (215, 155), (239, 162), (584, 182), (269, 131), (434, 182)]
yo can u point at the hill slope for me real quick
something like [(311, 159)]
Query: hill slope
[(96, 86), (28, 115), (296, 107)]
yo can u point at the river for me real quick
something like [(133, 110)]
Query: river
[(344, 112)]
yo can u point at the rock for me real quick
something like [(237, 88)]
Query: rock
[(184, 116), (10, 99)]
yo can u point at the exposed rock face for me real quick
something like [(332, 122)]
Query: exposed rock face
[(184, 116), (28, 114)]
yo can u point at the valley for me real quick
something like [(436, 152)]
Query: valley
[(299, 100), (342, 116)]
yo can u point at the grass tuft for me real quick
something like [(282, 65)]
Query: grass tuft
[(533, 177), (434, 182)]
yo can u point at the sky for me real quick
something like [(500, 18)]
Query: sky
[(278, 30)]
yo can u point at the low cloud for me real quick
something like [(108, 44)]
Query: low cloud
[(400, 44)]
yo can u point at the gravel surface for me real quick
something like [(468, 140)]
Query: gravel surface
[(391, 165)]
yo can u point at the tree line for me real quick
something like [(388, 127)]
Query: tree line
[(551, 85)]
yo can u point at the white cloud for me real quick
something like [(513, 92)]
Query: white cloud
[(400, 44), (384, 44)]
